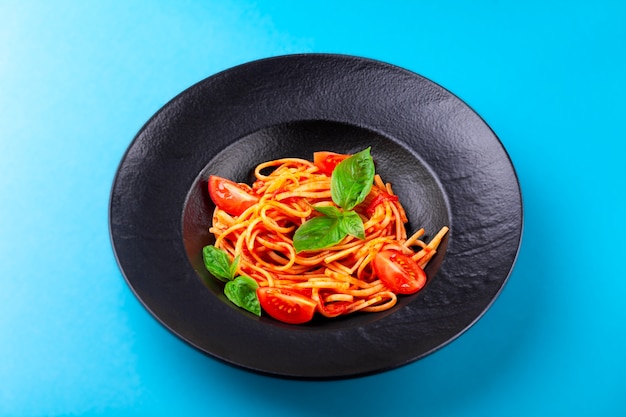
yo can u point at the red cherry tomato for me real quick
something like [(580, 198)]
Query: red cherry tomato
[(286, 305), (399, 272), (327, 161), (231, 197)]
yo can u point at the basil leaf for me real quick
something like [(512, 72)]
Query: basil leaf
[(318, 233), (352, 224), (233, 267), (352, 179), (218, 263), (329, 211), (242, 292)]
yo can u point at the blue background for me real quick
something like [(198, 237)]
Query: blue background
[(79, 78)]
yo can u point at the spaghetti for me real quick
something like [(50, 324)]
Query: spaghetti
[(347, 277)]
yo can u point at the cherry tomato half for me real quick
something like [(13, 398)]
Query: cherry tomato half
[(398, 272), (286, 305), (327, 161), (231, 197)]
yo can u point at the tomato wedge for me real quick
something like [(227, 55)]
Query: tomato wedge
[(327, 161), (286, 305), (231, 197), (399, 272)]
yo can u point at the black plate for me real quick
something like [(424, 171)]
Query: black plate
[(445, 163)]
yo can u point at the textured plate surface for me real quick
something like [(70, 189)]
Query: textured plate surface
[(445, 163)]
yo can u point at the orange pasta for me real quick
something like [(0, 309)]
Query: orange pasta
[(340, 279)]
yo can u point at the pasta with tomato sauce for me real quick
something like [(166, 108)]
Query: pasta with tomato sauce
[(325, 237)]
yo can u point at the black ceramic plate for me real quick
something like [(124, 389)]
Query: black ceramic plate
[(445, 163)]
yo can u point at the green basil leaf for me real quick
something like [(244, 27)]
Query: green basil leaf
[(233, 267), (352, 224), (318, 233), (217, 263), (242, 292), (329, 211), (352, 179)]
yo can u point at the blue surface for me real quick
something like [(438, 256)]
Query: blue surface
[(78, 79)]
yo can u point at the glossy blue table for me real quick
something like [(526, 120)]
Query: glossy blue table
[(79, 79)]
